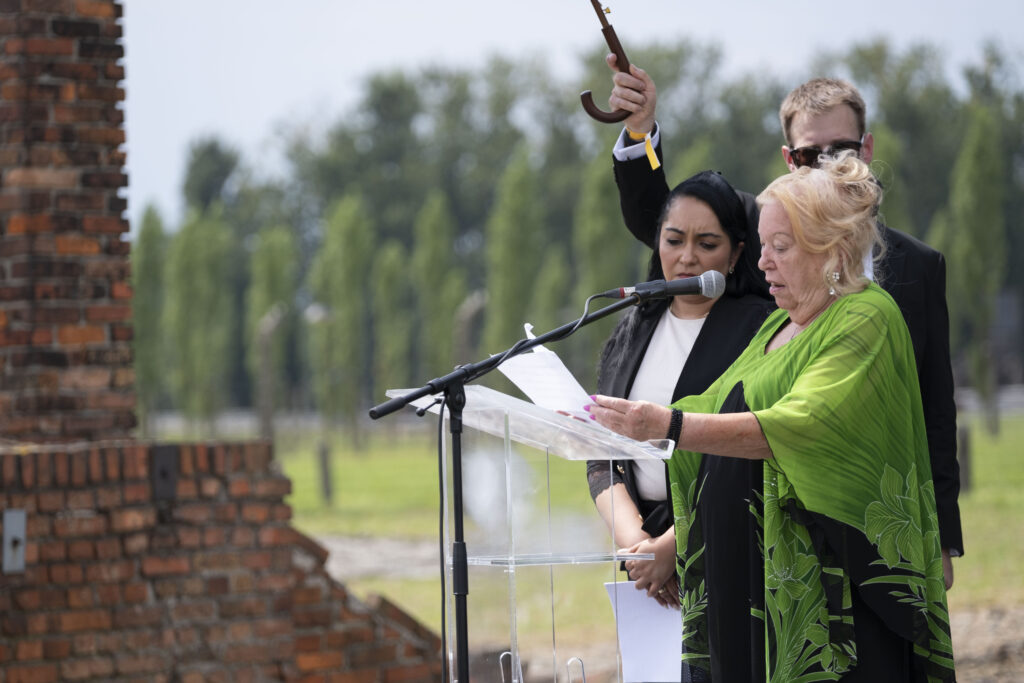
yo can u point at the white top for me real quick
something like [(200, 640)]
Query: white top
[(655, 381)]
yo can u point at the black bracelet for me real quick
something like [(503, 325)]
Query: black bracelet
[(675, 426)]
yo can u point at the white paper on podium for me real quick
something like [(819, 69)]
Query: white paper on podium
[(541, 375), (650, 636)]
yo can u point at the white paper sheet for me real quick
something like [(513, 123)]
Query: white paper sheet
[(650, 636), (541, 375)]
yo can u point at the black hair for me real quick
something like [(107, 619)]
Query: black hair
[(739, 224)]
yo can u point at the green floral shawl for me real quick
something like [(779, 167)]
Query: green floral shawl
[(847, 497)]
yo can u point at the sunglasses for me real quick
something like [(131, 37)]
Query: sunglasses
[(808, 156)]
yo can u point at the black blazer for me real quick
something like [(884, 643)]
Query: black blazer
[(914, 274), (728, 329)]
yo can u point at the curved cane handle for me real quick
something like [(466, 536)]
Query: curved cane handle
[(621, 64)]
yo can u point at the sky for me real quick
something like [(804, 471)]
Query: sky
[(245, 69)]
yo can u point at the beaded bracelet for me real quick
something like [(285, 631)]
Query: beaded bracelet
[(675, 426)]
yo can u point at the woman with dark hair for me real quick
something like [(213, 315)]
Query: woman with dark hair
[(666, 349)]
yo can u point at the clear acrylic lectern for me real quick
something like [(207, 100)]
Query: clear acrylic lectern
[(525, 545)]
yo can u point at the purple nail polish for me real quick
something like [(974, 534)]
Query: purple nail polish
[(586, 408), (593, 397)]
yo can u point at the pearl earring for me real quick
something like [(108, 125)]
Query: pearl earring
[(835, 278), (730, 270)]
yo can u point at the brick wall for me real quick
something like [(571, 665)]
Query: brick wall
[(65, 355), (209, 583)]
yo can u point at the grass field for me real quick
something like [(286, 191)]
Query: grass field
[(390, 489)]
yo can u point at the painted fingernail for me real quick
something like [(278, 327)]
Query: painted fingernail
[(593, 397), (592, 417), (586, 408)]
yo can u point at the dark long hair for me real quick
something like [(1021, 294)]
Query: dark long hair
[(739, 225)]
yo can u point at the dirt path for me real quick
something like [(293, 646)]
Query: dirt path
[(988, 643)]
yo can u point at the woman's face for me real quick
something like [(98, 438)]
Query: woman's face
[(793, 274), (692, 241)]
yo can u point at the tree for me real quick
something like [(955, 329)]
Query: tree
[(393, 326), (147, 260), (971, 234), (210, 164), (512, 244), (887, 164), (604, 255), (272, 287), (440, 285), (340, 340), (199, 314)]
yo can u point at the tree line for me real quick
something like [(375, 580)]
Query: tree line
[(453, 205)]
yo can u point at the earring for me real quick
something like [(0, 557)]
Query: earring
[(835, 278), (731, 269)]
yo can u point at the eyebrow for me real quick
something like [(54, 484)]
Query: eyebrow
[(699, 234)]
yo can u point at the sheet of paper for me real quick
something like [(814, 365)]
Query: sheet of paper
[(650, 636), (541, 375)]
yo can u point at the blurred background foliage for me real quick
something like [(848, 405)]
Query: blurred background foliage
[(425, 226)]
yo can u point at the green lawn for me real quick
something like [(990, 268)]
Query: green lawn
[(390, 489)]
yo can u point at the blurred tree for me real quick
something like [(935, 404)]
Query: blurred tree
[(910, 93), (439, 286), (514, 239), (340, 340), (886, 164), (199, 313), (605, 257), (209, 166), (274, 279), (551, 304), (393, 322), (147, 260), (971, 234)]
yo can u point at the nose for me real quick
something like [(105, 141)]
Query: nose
[(688, 254), (763, 260)]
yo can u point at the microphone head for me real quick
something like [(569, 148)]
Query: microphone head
[(712, 284)]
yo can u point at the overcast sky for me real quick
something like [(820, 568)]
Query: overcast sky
[(242, 69)]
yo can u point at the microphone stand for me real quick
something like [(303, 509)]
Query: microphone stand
[(453, 385)]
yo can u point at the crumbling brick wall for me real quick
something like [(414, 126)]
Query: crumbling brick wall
[(65, 356), (179, 563)]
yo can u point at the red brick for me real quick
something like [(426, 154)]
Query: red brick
[(80, 524), (136, 463), (210, 487), (61, 471), (81, 550), (79, 468), (163, 566), (81, 500), (136, 544), (307, 662), (187, 489), (360, 676), (32, 673), (72, 244), (51, 501), (80, 597), (56, 649), (412, 672), (195, 513), (257, 513), (84, 620), (136, 492), (95, 456), (109, 593), (132, 519), (112, 459), (110, 572), (66, 574), (108, 497), (28, 471), (136, 592), (74, 335)]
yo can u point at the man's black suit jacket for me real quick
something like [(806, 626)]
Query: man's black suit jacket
[(913, 273)]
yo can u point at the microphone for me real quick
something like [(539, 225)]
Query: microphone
[(710, 283)]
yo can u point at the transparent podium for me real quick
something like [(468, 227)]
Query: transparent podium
[(538, 553)]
